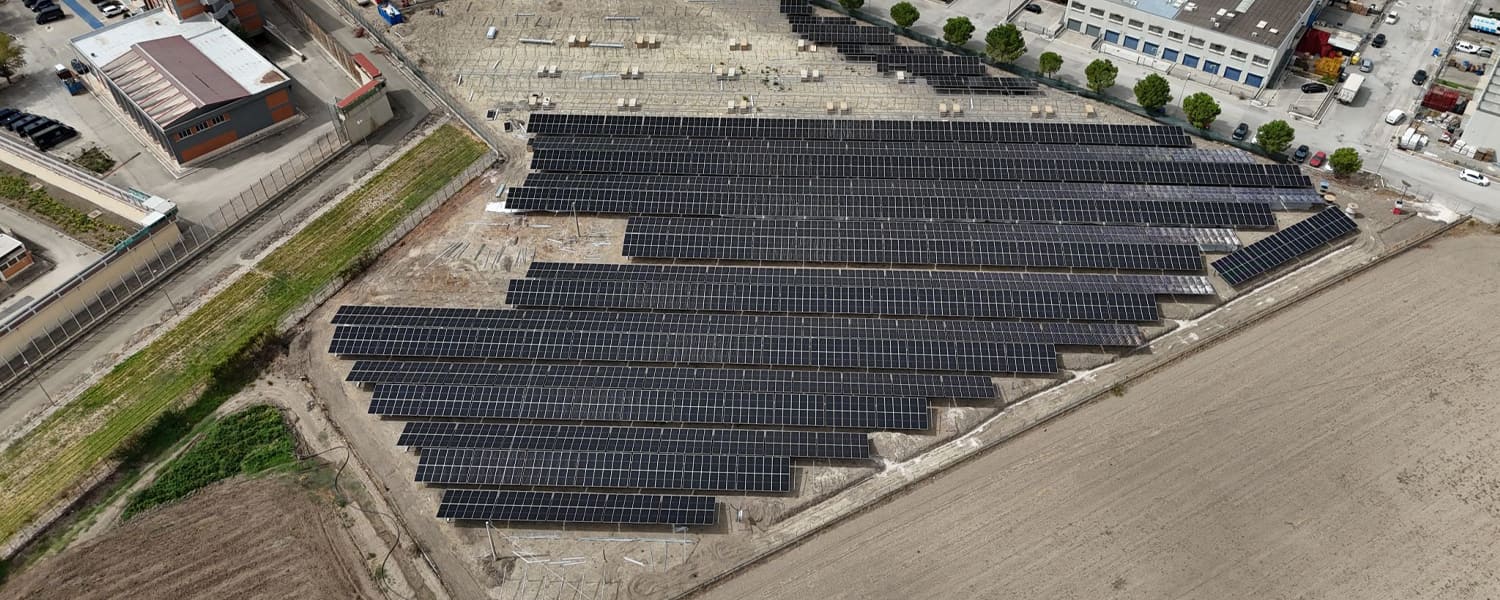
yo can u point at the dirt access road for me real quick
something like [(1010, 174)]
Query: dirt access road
[(256, 538), (1344, 448)]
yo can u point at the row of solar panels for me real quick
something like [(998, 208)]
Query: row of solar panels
[(849, 242), (1020, 132), (852, 148), (896, 166)]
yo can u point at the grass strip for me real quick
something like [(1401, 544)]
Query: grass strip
[(51, 461)]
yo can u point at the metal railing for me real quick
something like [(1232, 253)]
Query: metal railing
[(196, 238)]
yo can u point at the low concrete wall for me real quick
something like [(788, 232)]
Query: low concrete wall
[(71, 179), (46, 321)]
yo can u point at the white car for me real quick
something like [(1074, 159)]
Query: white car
[(1474, 177), (1466, 47), (1390, 18), (113, 10)]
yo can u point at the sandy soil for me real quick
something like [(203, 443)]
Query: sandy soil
[(1344, 448), (259, 538)]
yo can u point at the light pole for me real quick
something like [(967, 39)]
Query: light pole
[(38, 381)]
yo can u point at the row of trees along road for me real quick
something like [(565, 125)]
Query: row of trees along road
[(1153, 92)]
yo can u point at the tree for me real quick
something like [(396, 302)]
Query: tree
[(1101, 74), (904, 14), (12, 56), (1004, 43), (1201, 109), (851, 5), (1345, 161), (1275, 137), (1153, 92), (958, 30), (1051, 63)]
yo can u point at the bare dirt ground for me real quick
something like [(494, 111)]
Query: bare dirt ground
[(256, 538), (1344, 448)]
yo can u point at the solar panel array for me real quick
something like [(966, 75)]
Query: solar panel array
[(867, 43), (621, 393), (1284, 246)]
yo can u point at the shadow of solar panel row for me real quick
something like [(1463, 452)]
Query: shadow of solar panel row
[(853, 148), (864, 247), (901, 230), (651, 406), (819, 20), (1186, 285), (842, 383), (459, 466), (1022, 132), (768, 164), (870, 192), (576, 507), (837, 445), (749, 297), (768, 326), (706, 349), (1284, 246), (1102, 212)]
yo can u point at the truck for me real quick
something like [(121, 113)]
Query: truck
[(1350, 88), (1485, 25), (73, 84)]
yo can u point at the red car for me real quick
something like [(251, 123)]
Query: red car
[(1317, 160)]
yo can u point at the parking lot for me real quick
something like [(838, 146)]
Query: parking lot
[(200, 191)]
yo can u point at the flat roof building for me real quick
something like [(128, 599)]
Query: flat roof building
[(14, 257), (1230, 43), (192, 84)]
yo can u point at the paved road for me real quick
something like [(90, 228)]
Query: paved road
[(100, 349)]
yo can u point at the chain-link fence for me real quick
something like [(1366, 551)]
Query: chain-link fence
[(157, 260)]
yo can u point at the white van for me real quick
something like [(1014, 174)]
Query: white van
[(1395, 117)]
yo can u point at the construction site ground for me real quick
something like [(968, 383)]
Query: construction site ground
[(247, 538), (1344, 448)]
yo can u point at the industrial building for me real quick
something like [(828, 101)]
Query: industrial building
[(14, 257), (243, 15), (1239, 42), (191, 85)]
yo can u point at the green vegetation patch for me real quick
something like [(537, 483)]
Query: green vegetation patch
[(203, 351), (95, 159), (249, 442), (22, 194)]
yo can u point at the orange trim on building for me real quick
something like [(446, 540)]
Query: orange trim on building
[(281, 114), (208, 145), (366, 65), (252, 24), (359, 93), (247, 9), (20, 265), (188, 10), (278, 98)]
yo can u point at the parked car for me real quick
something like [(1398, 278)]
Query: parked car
[(1379, 41), (114, 10), (1467, 47), (6, 120), (1301, 154), (55, 14), (1366, 65), (21, 121), (79, 67), (1314, 88), (43, 6), (1391, 18), (57, 134), (1032, 8), (1241, 132), (1474, 177), (1395, 117), (35, 126), (1420, 77), (1317, 160)]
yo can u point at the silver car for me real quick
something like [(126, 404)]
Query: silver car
[(1366, 65)]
